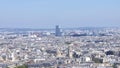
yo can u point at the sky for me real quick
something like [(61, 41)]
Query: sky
[(65, 13)]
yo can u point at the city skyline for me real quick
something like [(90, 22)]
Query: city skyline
[(66, 14)]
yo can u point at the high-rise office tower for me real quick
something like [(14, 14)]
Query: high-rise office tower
[(57, 31)]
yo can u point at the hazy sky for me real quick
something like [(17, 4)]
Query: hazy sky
[(66, 13)]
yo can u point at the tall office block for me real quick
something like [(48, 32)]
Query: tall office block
[(57, 31)]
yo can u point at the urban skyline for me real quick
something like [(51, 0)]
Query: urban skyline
[(59, 34), (78, 48)]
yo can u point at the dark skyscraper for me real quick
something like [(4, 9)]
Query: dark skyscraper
[(57, 31)]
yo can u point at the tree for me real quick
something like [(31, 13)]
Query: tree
[(22, 66)]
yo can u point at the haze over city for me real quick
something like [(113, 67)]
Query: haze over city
[(59, 34), (66, 13)]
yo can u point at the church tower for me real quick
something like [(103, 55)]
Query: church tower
[(70, 53)]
